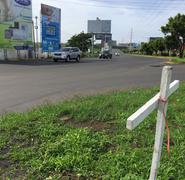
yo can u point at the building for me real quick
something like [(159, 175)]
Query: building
[(128, 45), (154, 38), (114, 43)]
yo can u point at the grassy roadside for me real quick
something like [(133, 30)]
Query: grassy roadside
[(86, 138), (152, 56), (169, 59), (178, 60)]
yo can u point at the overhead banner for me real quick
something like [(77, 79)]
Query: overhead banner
[(51, 28), (15, 23)]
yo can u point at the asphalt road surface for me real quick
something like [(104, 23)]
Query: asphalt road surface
[(26, 84)]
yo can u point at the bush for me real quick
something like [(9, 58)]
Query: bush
[(164, 54)]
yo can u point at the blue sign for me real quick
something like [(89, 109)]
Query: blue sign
[(23, 2), (50, 36), (51, 29)]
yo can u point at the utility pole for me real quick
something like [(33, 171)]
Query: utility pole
[(37, 37), (34, 45), (131, 36), (92, 43)]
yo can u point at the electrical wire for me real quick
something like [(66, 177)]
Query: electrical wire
[(133, 6), (149, 11)]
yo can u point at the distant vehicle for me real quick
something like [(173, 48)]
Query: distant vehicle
[(117, 54), (105, 54), (67, 54)]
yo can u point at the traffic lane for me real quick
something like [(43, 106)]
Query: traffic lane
[(34, 85), (49, 89)]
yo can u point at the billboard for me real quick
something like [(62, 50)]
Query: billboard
[(15, 23), (51, 28), (104, 37), (99, 26)]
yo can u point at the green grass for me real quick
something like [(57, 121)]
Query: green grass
[(178, 60), (92, 142), (153, 56)]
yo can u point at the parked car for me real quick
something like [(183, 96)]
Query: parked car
[(67, 54), (105, 54)]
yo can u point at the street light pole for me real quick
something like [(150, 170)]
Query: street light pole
[(34, 44), (92, 43), (37, 37)]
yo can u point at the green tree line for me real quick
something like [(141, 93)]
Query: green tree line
[(172, 43), (82, 41)]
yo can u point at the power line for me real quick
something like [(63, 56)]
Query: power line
[(138, 2), (134, 7), (153, 10)]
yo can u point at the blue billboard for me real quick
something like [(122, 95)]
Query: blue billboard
[(51, 28)]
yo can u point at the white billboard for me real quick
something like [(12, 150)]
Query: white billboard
[(15, 23)]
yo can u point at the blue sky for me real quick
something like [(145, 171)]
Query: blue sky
[(144, 16)]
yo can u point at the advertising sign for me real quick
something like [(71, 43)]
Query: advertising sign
[(99, 26), (104, 37), (15, 23), (51, 28)]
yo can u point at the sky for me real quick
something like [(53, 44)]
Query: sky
[(145, 17)]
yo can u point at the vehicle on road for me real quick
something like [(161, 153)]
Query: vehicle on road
[(67, 54), (117, 54), (105, 54)]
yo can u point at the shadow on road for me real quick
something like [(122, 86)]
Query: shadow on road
[(39, 62), (49, 62)]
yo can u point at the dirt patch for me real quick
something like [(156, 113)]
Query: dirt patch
[(5, 150), (25, 143), (10, 170), (171, 62), (73, 176), (4, 164), (136, 145), (95, 125), (70, 177)]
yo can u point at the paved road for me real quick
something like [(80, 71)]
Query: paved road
[(23, 85)]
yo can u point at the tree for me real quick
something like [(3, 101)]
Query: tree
[(176, 29), (82, 41), (171, 43), (160, 44), (153, 46), (157, 45), (146, 48)]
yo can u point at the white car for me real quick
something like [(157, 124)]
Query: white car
[(117, 54), (67, 54)]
